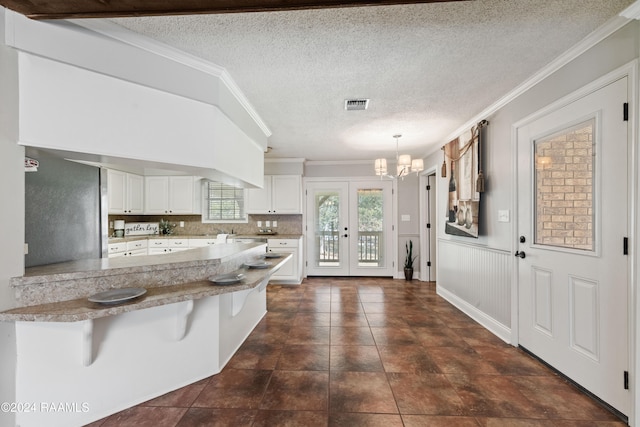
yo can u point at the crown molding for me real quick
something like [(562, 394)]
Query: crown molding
[(337, 162), (633, 11), (599, 34), (117, 32), (284, 160)]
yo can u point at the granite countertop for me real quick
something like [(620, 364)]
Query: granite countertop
[(201, 236), (270, 236), (82, 309), (122, 265)]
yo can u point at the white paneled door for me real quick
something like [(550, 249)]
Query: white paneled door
[(349, 228), (572, 225)]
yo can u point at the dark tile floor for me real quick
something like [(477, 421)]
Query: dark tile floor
[(371, 352)]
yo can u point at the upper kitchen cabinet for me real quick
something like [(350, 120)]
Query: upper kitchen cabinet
[(125, 192), (282, 194), (172, 195)]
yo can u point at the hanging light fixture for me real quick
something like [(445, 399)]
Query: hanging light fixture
[(404, 164)]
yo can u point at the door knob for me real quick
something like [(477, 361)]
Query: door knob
[(520, 254)]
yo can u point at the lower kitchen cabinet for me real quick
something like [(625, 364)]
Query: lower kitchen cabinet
[(134, 248), (291, 271)]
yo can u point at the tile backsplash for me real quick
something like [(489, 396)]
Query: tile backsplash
[(193, 226)]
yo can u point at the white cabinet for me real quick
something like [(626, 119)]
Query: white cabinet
[(117, 249), (125, 192), (282, 194), (291, 271), (137, 247), (172, 195), (198, 243), (176, 245), (134, 248), (166, 246)]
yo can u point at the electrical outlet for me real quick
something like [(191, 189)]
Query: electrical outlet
[(405, 218), (259, 224), (267, 224), (274, 224), (182, 224), (503, 216), (26, 249)]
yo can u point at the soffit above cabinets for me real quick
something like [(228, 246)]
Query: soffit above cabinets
[(63, 9)]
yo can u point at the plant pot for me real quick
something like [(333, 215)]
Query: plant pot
[(408, 273)]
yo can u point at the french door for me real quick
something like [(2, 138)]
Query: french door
[(572, 223), (349, 228)]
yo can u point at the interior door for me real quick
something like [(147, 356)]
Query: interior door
[(349, 225), (431, 228), (572, 222)]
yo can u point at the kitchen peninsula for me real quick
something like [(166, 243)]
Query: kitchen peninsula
[(98, 359)]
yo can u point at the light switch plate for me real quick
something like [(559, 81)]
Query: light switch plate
[(405, 218), (267, 224), (503, 216), (274, 224)]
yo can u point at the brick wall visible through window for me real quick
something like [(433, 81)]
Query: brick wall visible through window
[(564, 188)]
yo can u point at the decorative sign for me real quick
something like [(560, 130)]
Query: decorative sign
[(140, 228)]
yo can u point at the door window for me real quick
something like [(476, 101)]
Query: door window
[(327, 235), (370, 227), (564, 188)]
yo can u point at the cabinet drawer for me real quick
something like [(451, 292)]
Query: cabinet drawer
[(282, 243), (197, 243), (117, 247), (178, 243), (137, 245), (158, 243)]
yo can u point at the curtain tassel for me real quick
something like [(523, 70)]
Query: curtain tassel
[(480, 182)]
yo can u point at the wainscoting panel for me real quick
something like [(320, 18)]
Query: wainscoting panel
[(478, 281)]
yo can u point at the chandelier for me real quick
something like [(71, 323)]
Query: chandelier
[(404, 164)]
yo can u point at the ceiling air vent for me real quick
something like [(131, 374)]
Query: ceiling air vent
[(356, 104)]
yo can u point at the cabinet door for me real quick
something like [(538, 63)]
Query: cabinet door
[(156, 195), (286, 194), (180, 194), (116, 191), (288, 271), (259, 199), (135, 194)]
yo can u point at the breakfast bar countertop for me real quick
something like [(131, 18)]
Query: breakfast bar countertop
[(74, 280), (82, 309)]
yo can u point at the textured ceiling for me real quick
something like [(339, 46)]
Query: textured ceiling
[(427, 68)]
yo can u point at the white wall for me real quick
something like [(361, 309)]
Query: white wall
[(479, 298), (11, 215)]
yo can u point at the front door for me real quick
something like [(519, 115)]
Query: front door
[(572, 222), (349, 226)]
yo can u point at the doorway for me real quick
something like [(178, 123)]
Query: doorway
[(573, 272), (349, 227)]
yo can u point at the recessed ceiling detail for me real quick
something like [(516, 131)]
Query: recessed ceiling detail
[(356, 104)]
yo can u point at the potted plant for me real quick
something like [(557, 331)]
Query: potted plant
[(166, 227), (408, 260)]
